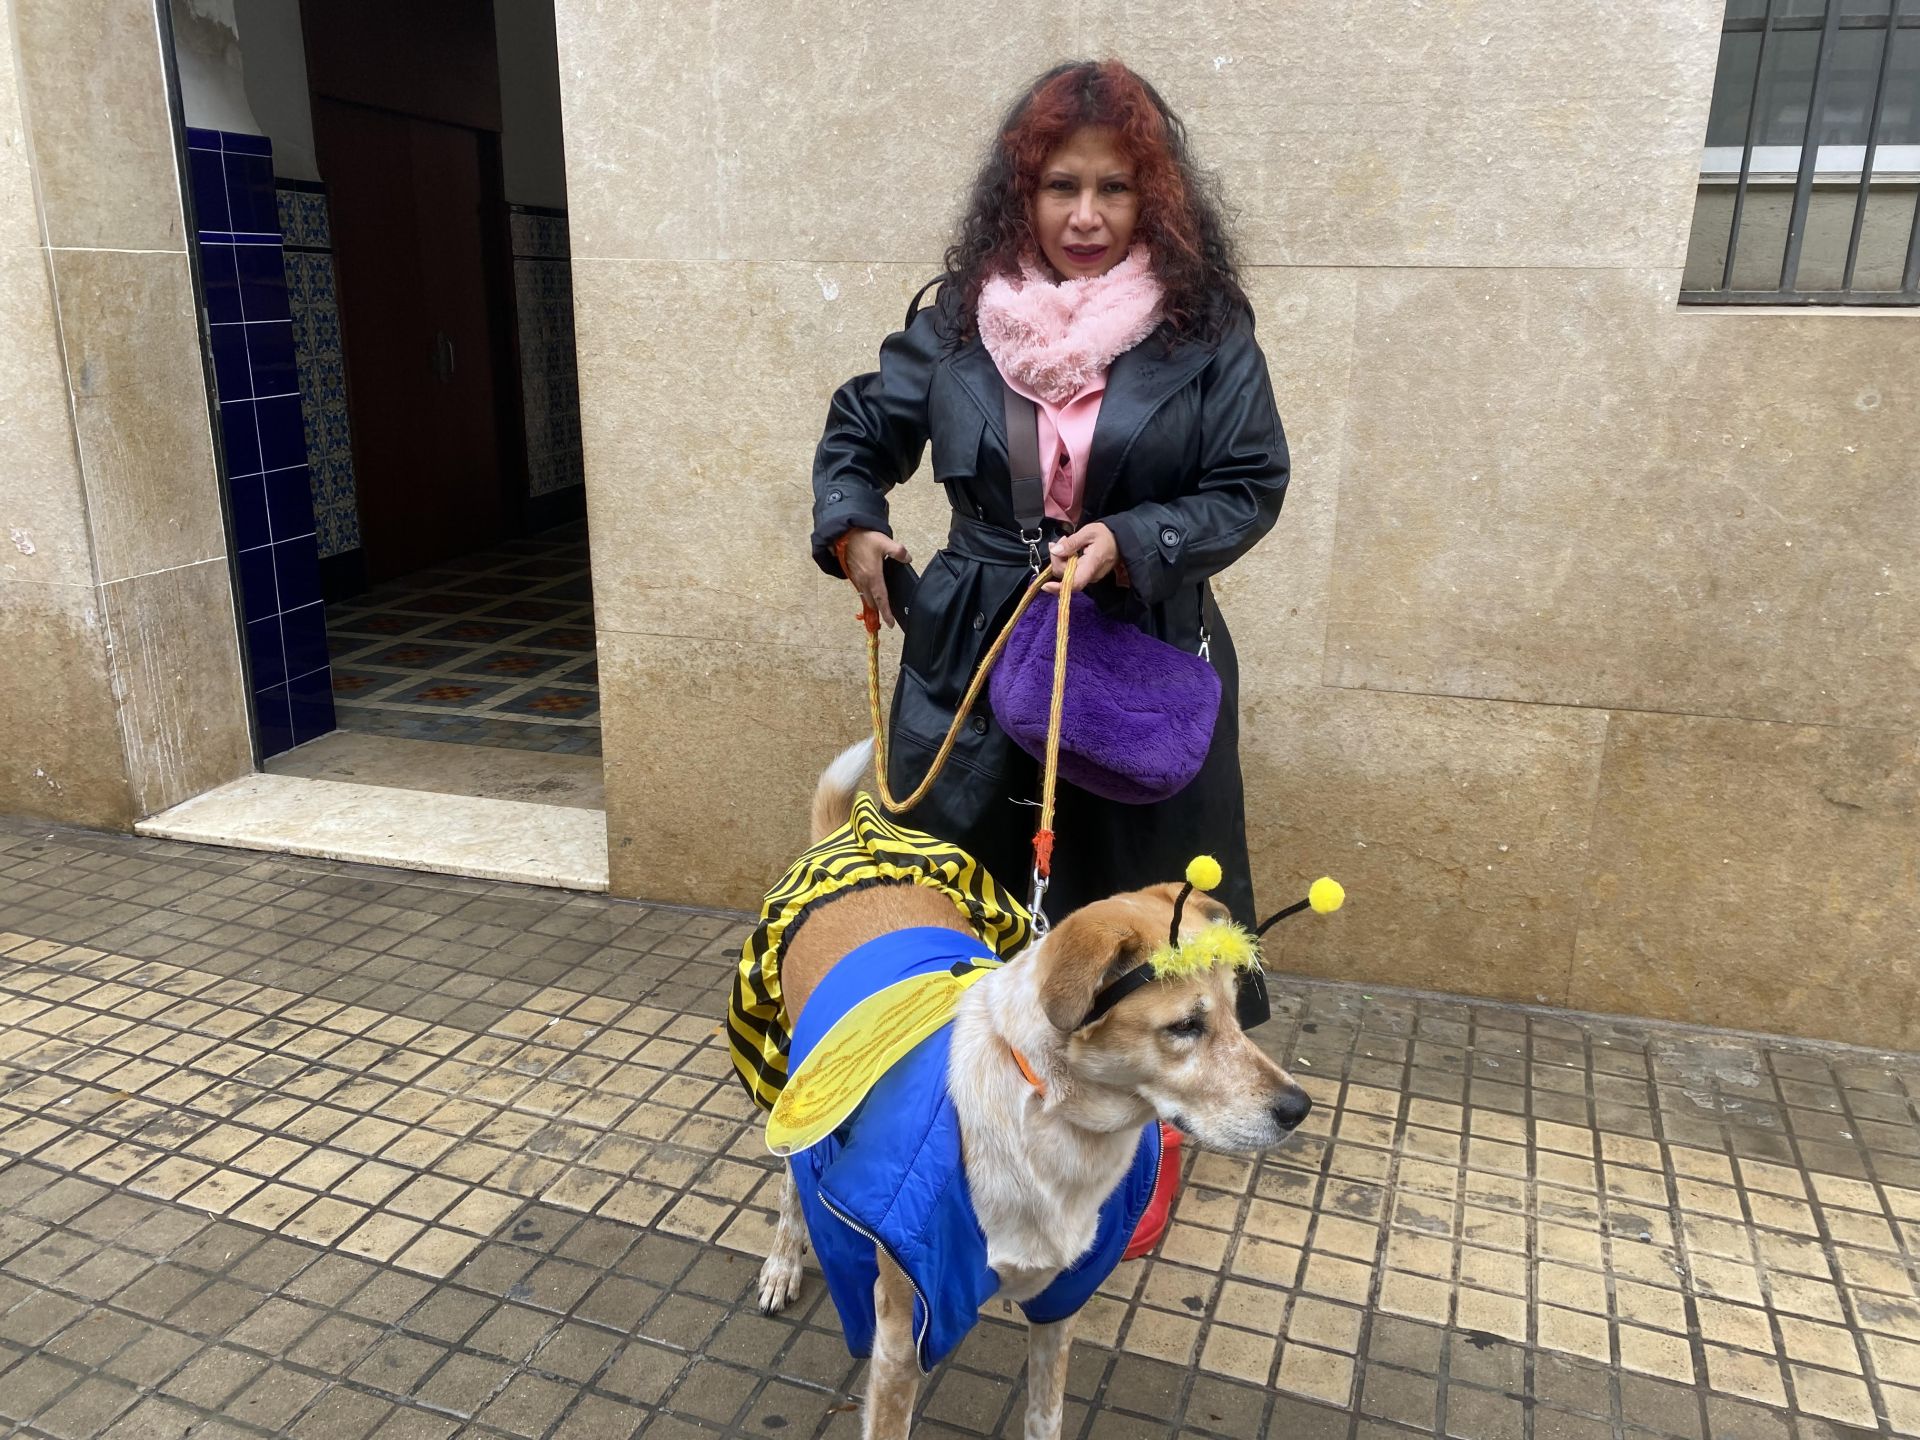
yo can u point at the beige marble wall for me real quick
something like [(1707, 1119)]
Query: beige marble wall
[(123, 694), (1572, 585)]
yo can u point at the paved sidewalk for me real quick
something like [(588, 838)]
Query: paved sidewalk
[(292, 1147)]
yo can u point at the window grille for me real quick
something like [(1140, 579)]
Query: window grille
[(1810, 184)]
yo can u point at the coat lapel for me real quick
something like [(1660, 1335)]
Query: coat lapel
[(1139, 382), (973, 367)]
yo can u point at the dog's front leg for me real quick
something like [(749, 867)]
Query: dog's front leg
[(893, 1374), (1048, 1347), (780, 1274)]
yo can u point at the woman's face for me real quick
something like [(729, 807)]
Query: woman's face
[(1086, 207)]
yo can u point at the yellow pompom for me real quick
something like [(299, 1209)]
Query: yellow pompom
[(1326, 895), (1203, 872)]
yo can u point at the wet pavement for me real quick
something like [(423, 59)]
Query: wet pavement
[(291, 1147)]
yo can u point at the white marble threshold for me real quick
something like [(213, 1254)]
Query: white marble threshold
[(488, 839), (488, 772)]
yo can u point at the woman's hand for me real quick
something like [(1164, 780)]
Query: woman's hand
[(1099, 553), (862, 556)]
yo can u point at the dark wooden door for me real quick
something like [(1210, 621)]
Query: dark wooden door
[(406, 120), (408, 199)]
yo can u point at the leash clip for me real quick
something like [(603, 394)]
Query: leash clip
[(1034, 539), (1034, 903)]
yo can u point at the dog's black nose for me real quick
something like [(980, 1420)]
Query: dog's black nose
[(1292, 1107)]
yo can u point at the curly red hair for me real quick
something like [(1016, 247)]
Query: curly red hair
[(1179, 217)]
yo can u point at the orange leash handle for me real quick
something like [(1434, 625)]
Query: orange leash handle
[(869, 616)]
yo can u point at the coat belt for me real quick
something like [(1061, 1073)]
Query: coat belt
[(992, 544)]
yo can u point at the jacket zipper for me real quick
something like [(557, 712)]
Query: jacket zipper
[(1159, 1158), (926, 1310), (920, 1337)]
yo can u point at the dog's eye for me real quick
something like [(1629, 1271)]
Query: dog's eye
[(1191, 1028)]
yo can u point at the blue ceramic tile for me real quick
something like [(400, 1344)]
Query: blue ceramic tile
[(247, 499), (305, 633), (296, 565), (293, 218), (241, 439), (232, 375), (299, 301), (319, 225), (310, 699), (320, 287), (198, 139), (263, 282), (265, 653), (289, 503), (259, 596), (250, 194), (270, 357), (235, 143), (283, 437), (222, 279), (209, 190), (336, 507), (275, 721)]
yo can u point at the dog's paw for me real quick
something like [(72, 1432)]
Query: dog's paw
[(779, 1283)]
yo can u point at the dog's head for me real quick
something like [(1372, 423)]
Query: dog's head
[(1174, 1046)]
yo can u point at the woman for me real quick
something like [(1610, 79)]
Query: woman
[(1092, 276)]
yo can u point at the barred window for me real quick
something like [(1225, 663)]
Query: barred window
[(1812, 167)]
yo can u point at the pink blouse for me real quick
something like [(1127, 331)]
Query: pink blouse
[(1066, 436)]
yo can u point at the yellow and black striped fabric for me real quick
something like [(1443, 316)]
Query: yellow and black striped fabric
[(865, 849)]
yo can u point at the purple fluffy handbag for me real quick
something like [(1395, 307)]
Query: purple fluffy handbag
[(1137, 719)]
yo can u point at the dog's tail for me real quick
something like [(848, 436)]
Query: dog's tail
[(833, 796)]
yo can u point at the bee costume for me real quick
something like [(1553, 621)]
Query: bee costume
[(867, 850)]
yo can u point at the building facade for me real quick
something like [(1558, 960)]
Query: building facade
[(1586, 653)]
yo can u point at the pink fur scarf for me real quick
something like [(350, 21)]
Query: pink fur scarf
[(1057, 338)]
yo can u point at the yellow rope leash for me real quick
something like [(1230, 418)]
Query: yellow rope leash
[(871, 618), (1043, 838)]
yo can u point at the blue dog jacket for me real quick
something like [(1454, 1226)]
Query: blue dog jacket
[(892, 1177)]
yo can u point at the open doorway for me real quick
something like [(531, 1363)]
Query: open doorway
[(378, 194), (436, 131)]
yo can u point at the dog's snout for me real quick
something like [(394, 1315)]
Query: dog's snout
[(1292, 1107)]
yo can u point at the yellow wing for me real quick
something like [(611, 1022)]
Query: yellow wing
[(860, 1047)]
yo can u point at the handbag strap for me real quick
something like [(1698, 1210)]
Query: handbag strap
[(1029, 488), (913, 305)]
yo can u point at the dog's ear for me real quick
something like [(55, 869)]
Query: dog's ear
[(1080, 956)]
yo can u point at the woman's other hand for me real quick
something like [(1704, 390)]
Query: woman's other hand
[(863, 556), (1099, 553)]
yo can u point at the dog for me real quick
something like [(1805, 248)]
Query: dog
[(1051, 1109)]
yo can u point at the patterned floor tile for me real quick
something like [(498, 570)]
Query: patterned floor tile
[(413, 655), (528, 609), (450, 692), (515, 619), (517, 664), (371, 622), (553, 700), (474, 631), (348, 684), (562, 638)]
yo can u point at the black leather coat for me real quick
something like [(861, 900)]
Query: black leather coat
[(1188, 468)]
